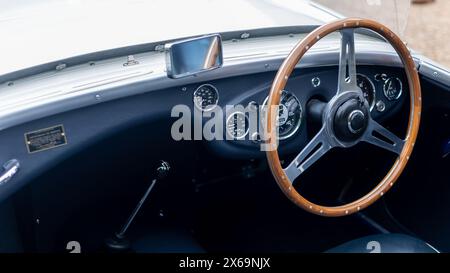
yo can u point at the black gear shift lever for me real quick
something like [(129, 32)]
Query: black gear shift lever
[(119, 241)]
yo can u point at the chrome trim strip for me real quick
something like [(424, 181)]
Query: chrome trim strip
[(79, 86), (433, 71), (10, 168)]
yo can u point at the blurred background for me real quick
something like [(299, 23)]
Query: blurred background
[(423, 24), (428, 29)]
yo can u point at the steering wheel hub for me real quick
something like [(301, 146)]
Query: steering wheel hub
[(351, 120)]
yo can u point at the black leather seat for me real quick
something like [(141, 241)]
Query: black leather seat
[(167, 239), (385, 243), (175, 239)]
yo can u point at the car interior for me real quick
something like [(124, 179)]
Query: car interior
[(90, 156)]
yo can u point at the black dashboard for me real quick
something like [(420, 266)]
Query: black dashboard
[(85, 127), (385, 89)]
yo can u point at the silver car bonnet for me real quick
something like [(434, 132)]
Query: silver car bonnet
[(38, 32)]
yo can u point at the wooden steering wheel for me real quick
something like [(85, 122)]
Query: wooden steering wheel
[(346, 119)]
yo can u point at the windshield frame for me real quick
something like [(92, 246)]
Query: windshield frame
[(147, 47)]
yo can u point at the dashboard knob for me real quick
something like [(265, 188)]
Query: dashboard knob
[(315, 81), (255, 138), (381, 106)]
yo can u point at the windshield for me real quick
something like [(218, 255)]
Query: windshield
[(41, 31), (392, 13)]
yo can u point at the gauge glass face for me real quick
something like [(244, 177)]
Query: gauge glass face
[(237, 125), (206, 97), (368, 89), (392, 88), (289, 115)]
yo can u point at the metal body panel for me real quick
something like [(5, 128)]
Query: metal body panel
[(91, 83)]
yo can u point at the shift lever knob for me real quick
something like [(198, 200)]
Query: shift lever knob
[(162, 170)]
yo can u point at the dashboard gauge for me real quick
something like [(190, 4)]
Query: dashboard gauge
[(237, 125), (206, 97), (392, 88), (368, 89), (289, 115)]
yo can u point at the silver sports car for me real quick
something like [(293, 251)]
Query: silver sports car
[(220, 126)]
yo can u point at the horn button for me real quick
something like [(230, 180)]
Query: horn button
[(350, 120)]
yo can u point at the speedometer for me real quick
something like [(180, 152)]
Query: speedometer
[(289, 115)]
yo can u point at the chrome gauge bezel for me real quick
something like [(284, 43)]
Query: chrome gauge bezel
[(209, 107), (400, 91), (231, 116), (299, 123), (374, 93)]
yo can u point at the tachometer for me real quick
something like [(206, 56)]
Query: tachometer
[(289, 115), (368, 89), (206, 97)]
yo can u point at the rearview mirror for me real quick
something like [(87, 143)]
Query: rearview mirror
[(193, 56)]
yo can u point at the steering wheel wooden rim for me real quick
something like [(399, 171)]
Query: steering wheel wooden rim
[(279, 84)]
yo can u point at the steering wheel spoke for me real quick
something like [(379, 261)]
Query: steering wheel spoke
[(314, 150), (380, 136), (347, 62)]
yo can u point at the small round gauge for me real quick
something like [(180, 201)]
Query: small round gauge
[(237, 125), (368, 89), (289, 115), (206, 97), (393, 88)]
